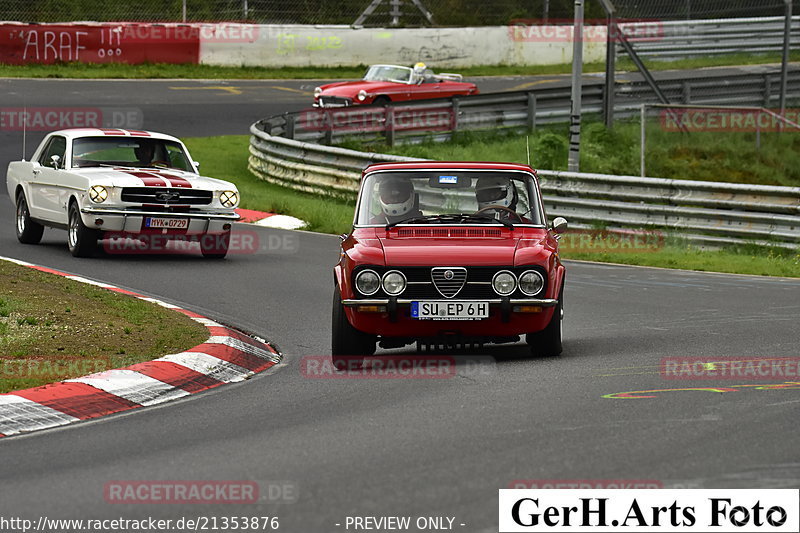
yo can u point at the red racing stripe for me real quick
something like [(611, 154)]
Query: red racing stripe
[(177, 181), (77, 399), (149, 179)]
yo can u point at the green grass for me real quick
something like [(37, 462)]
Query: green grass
[(226, 158), (64, 329), (189, 71)]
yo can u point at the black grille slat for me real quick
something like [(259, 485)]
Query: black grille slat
[(166, 196)]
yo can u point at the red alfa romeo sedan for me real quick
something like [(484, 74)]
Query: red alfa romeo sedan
[(448, 254)]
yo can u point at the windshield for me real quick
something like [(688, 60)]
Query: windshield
[(388, 73), (129, 152), (449, 197)]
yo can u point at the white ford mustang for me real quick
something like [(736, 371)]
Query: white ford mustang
[(101, 182)]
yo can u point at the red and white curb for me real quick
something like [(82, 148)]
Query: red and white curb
[(227, 356), (270, 220)]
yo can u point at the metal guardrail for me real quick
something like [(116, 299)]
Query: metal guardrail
[(670, 40), (710, 213), (284, 150)]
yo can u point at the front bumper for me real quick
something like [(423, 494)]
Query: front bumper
[(393, 319), (127, 221)]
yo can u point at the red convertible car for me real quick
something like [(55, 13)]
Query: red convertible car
[(448, 254), (391, 83)]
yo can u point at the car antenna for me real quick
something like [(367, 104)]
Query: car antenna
[(528, 149)]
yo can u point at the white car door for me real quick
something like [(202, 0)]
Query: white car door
[(46, 182)]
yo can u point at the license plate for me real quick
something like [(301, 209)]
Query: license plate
[(168, 223), (449, 310)]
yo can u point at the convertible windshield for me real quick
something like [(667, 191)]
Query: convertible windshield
[(444, 196), (388, 73), (129, 152)]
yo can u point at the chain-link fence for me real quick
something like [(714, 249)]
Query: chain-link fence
[(385, 13)]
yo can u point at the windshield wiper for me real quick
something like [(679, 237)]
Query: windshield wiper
[(453, 217)]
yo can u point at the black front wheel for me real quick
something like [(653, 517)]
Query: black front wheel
[(82, 240), (349, 346), (547, 343), (28, 231)]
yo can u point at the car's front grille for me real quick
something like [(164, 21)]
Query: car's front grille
[(449, 281), (334, 101), (166, 196)]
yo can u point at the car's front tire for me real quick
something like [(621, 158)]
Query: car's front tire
[(349, 346), (82, 241), (547, 343), (215, 246), (28, 231)]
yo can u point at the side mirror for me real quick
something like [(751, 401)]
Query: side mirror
[(560, 225), (196, 164), (55, 161), (343, 237)]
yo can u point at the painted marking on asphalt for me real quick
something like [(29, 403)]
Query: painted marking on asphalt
[(224, 88), (526, 85), (643, 394), (290, 90)]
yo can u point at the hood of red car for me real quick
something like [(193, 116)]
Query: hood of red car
[(350, 88), (475, 251)]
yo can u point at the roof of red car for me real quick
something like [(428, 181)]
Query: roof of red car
[(448, 164)]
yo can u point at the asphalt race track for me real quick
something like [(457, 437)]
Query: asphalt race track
[(403, 447)]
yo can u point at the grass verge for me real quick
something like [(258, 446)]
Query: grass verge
[(53, 328), (190, 71), (226, 157)]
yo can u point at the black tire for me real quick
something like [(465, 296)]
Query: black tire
[(28, 231), (82, 241), (349, 346), (381, 101), (215, 246), (547, 343)]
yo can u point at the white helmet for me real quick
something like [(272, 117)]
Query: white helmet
[(396, 197), (495, 190)]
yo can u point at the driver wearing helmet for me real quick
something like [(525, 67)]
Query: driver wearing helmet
[(419, 72), (497, 192), (398, 201)]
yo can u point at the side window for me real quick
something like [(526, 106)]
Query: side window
[(56, 146)]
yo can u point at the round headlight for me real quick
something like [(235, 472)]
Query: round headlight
[(368, 282), (531, 282), (229, 198), (98, 194), (394, 283), (317, 92), (504, 283), (362, 95)]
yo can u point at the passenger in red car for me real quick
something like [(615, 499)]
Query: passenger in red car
[(398, 201)]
